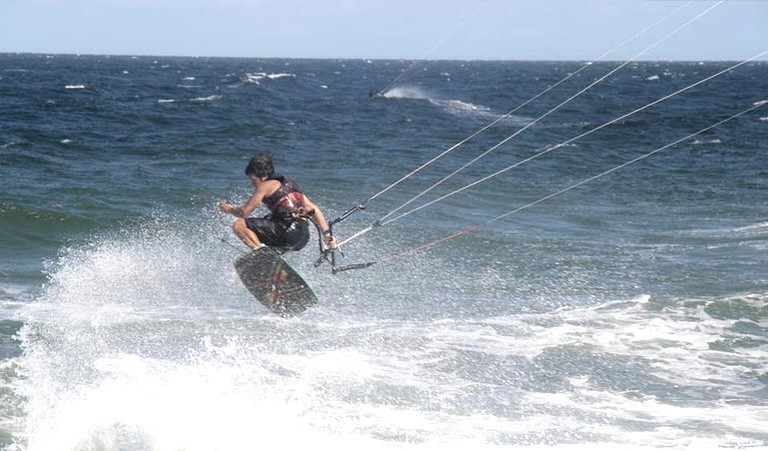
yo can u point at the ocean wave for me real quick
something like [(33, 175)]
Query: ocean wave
[(684, 337), (760, 227), (727, 234), (13, 296), (11, 400), (38, 225)]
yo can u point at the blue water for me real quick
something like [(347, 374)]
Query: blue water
[(629, 312)]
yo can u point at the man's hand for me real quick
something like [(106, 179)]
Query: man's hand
[(330, 242), (226, 206)]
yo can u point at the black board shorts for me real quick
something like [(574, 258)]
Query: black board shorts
[(293, 235)]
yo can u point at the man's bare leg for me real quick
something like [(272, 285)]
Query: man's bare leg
[(246, 235)]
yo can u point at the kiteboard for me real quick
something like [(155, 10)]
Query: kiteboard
[(274, 283)]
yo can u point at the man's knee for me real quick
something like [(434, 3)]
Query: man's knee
[(239, 225)]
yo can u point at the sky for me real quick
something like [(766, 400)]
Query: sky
[(388, 29)]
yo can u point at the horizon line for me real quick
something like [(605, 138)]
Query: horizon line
[(356, 58)]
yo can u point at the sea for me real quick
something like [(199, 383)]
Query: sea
[(575, 261)]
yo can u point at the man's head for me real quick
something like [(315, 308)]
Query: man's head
[(260, 166)]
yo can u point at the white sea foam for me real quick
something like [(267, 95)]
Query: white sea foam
[(458, 106), (149, 342)]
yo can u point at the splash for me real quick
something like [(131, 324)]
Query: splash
[(407, 93), (114, 348), (452, 106), (144, 339)]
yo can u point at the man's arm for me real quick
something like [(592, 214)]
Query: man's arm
[(319, 218), (248, 208)]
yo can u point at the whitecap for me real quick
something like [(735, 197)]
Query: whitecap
[(257, 77), (166, 101), (210, 98), (698, 142), (74, 87), (254, 78), (280, 75), (653, 78)]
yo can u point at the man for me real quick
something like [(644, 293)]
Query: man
[(287, 225)]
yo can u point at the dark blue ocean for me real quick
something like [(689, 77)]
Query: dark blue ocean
[(630, 312)]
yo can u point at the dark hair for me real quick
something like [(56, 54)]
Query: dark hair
[(260, 165)]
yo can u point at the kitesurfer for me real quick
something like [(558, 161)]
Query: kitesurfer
[(286, 227)]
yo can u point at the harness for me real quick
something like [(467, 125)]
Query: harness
[(287, 203)]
